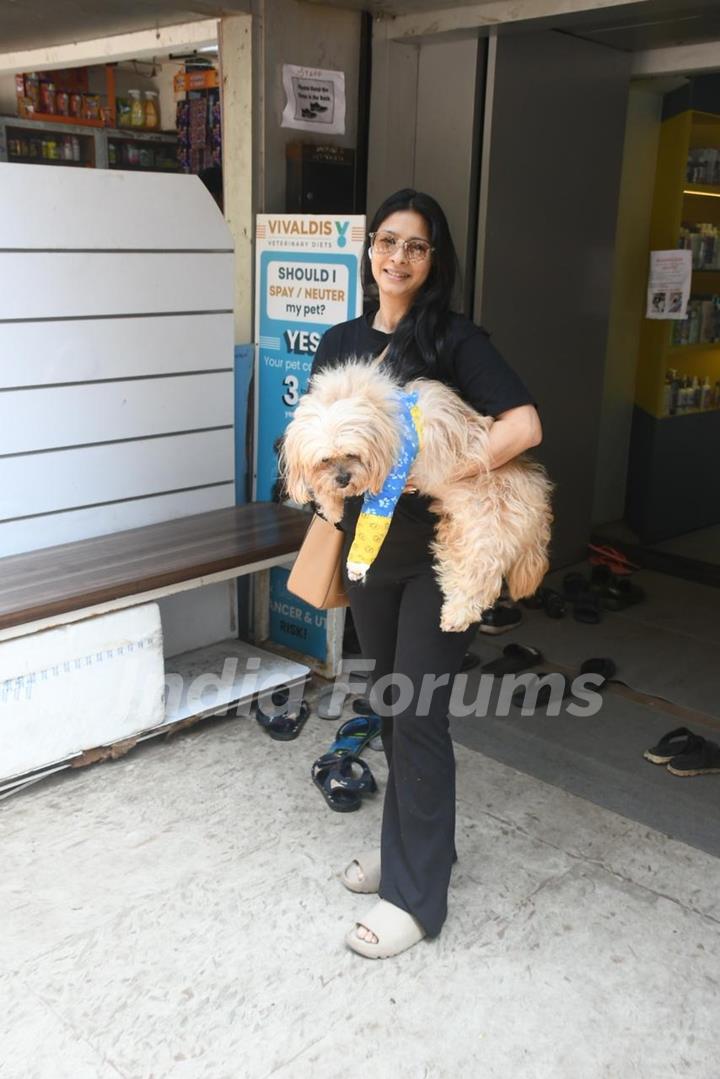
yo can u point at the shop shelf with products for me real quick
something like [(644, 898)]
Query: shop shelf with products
[(147, 151), (47, 144), (63, 144), (676, 419), (198, 116), (682, 205)]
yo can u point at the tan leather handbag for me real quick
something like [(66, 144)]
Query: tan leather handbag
[(315, 576)]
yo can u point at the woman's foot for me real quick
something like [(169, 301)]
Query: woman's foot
[(363, 873), (386, 931)]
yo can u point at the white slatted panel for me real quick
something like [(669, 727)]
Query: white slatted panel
[(108, 411), (40, 353), (79, 285), (87, 209), (30, 534), (47, 482), (116, 355)]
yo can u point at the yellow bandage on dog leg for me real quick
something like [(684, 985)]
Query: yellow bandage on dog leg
[(370, 532)]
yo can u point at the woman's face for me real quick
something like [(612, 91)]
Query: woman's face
[(397, 276)]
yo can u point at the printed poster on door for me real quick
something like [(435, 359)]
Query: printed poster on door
[(669, 283), (307, 279), (315, 100)]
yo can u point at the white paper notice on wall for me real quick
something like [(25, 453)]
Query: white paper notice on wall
[(315, 99), (669, 284)]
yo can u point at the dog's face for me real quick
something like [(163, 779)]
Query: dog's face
[(343, 438)]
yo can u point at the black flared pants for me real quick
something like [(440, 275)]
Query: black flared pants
[(398, 626)]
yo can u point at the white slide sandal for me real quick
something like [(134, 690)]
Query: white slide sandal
[(363, 873), (395, 929)]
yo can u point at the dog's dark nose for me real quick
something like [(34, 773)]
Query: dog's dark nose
[(343, 479)]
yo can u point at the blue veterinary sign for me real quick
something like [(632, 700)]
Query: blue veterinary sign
[(307, 279)]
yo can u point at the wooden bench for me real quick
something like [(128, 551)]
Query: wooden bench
[(74, 582)]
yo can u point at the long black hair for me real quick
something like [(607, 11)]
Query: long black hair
[(417, 344)]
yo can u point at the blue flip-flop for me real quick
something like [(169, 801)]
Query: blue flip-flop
[(355, 734)]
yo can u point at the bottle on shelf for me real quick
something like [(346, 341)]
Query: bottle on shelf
[(152, 110), (706, 394), (137, 110)]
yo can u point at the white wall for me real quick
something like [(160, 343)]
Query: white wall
[(444, 131), (116, 380), (421, 124), (631, 255)]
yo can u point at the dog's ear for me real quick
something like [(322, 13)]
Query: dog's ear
[(292, 471)]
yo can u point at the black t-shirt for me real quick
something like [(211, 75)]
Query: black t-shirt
[(474, 368)]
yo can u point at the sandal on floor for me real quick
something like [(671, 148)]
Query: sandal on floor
[(327, 775), (602, 665), (670, 745), (395, 929), (617, 561), (500, 619), (335, 776), (355, 734), (554, 603), (368, 862), (515, 658), (700, 758), (283, 726), (574, 584), (545, 694), (330, 700), (587, 608), (616, 593)]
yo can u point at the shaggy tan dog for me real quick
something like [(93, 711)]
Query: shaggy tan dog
[(343, 440)]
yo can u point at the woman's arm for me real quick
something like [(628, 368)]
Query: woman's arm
[(512, 433)]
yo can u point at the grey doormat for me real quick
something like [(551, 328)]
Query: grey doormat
[(600, 760), (667, 647)]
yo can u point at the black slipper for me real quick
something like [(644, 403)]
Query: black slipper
[(515, 658), (536, 602), (362, 706), (286, 725), (672, 744), (701, 758), (601, 665), (470, 660), (574, 584), (500, 619), (616, 593), (586, 608), (553, 603), (544, 694)]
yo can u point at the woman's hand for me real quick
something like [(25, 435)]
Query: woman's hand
[(512, 433)]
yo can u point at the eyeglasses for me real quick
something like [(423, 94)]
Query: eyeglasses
[(385, 243)]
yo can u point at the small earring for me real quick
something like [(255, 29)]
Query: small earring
[(370, 252)]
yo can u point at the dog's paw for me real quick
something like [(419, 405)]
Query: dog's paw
[(357, 571), (455, 618)]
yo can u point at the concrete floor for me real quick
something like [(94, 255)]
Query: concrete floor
[(176, 914)]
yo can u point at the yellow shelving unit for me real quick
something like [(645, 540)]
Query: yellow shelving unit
[(675, 202)]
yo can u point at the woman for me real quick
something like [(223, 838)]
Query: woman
[(410, 268)]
